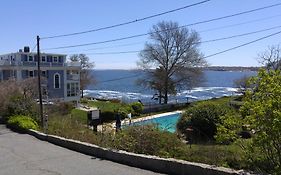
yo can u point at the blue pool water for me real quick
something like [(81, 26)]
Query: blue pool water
[(167, 123)]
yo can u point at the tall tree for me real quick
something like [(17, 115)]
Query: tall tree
[(86, 77), (172, 59), (271, 58)]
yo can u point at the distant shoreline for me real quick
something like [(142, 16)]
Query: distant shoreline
[(231, 68), (210, 68)]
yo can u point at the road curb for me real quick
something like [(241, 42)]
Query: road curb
[(153, 163)]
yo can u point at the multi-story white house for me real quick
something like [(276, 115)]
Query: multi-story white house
[(61, 78)]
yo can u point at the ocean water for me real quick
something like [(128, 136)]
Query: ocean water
[(121, 84)]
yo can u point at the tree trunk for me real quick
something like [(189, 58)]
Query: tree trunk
[(166, 97), (166, 90), (160, 97)]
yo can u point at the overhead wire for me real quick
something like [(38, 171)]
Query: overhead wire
[(211, 55), (202, 31), (145, 34), (120, 78), (126, 23), (242, 45), (206, 41), (239, 24)]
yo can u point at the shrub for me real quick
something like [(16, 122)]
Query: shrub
[(137, 108), (107, 116), (61, 108), (22, 123), (229, 129), (19, 105), (203, 119), (148, 139)]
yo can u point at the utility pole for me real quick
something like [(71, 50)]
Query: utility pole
[(39, 83)]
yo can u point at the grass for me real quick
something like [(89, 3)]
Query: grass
[(79, 115)]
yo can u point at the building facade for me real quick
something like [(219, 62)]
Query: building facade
[(60, 79)]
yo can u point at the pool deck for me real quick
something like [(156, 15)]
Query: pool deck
[(126, 121)]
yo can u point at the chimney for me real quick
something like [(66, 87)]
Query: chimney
[(26, 49)]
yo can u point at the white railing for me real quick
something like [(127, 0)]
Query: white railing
[(42, 64), (72, 64), (73, 77)]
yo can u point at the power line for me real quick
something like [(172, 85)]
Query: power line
[(218, 53), (113, 53), (121, 78), (102, 48), (126, 23), (202, 31), (239, 24), (140, 35), (236, 47), (244, 34), (207, 41)]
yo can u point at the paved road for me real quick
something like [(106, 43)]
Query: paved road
[(22, 154)]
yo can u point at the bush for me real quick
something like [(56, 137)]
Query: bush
[(61, 108), (229, 129), (148, 139), (203, 119), (19, 105), (22, 123), (137, 108), (107, 116)]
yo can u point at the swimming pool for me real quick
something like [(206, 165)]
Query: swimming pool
[(166, 122)]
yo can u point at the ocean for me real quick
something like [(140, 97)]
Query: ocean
[(121, 84)]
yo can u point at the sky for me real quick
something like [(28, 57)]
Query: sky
[(22, 21)]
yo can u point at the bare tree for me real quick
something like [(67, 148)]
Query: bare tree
[(172, 59), (18, 97), (271, 58), (243, 84), (86, 78)]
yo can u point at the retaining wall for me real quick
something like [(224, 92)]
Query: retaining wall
[(153, 163)]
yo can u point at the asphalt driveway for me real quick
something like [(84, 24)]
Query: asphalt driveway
[(22, 154)]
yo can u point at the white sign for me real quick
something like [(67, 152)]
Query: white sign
[(95, 114)]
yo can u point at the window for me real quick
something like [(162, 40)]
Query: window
[(56, 81), (30, 58), (72, 89), (49, 58), (44, 91), (43, 73), (61, 59), (43, 58), (31, 73), (55, 59)]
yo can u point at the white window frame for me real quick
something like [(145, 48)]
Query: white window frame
[(55, 81)]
